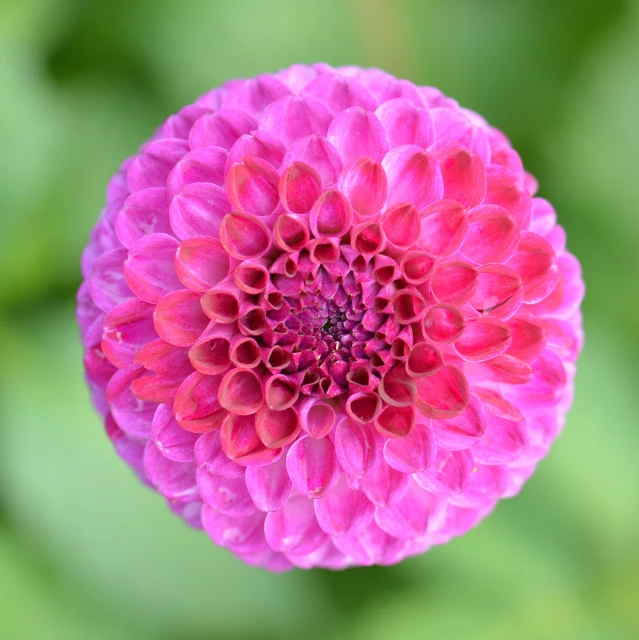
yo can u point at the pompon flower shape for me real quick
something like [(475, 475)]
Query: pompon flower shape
[(326, 318)]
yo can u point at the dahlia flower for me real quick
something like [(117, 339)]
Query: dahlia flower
[(326, 318)]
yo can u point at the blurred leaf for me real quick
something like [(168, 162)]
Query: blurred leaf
[(73, 497), (34, 609)]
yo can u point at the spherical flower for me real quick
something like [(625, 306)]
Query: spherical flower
[(326, 318)]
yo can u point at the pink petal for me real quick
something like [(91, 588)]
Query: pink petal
[(502, 442), (463, 173), (210, 456), (343, 511), (299, 187), (504, 189), (331, 215), (424, 360), (127, 328), (363, 407), (450, 473), (255, 94), (413, 176), (316, 418), (408, 518), (257, 144), (252, 186), (385, 485), (528, 337), (277, 428), (406, 123), (172, 441), (294, 528), (452, 125), (149, 268), (196, 405), (221, 128), (241, 392), (493, 234), (443, 227), (416, 452), (463, 430), (290, 232), (358, 447), (401, 225), (201, 263), (396, 422), (151, 167), (198, 210), (228, 496), (483, 339), (132, 415), (108, 285), (534, 260), (174, 480), (443, 323), (499, 291), (239, 535), (357, 133), (293, 117), (202, 165), (244, 236), (454, 282), (269, 486), (312, 466), (143, 213), (444, 394), (318, 153), (210, 352), (178, 318), (364, 182), (339, 93), (222, 303), (240, 442)]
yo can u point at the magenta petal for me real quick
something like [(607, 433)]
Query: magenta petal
[(454, 282), (318, 153), (196, 406), (241, 392), (463, 173), (269, 486), (172, 441), (503, 189), (210, 456), (452, 125), (198, 210), (410, 517), (228, 496), (450, 473), (406, 123), (414, 453), (252, 186), (463, 430), (364, 182), (132, 415), (316, 418), (339, 93), (331, 215), (312, 466), (293, 117), (202, 165), (483, 339), (151, 167), (299, 187), (149, 268), (178, 318), (502, 442), (294, 528), (444, 394), (244, 236), (413, 176), (201, 263), (443, 323), (221, 128), (443, 227), (144, 212), (127, 328), (343, 511), (277, 428), (108, 285), (401, 225), (240, 535), (385, 485), (358, 447), (357, 133), (174, 480), (493, 234)]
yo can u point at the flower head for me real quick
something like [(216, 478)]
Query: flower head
[(325, 317)]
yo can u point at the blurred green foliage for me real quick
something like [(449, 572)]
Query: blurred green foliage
[(85, 551)]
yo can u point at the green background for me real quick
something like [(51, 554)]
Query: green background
[(85, 551)]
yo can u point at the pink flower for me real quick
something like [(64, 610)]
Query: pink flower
[(326, 318)]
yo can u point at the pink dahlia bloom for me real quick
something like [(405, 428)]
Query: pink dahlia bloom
[(326, 318)]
